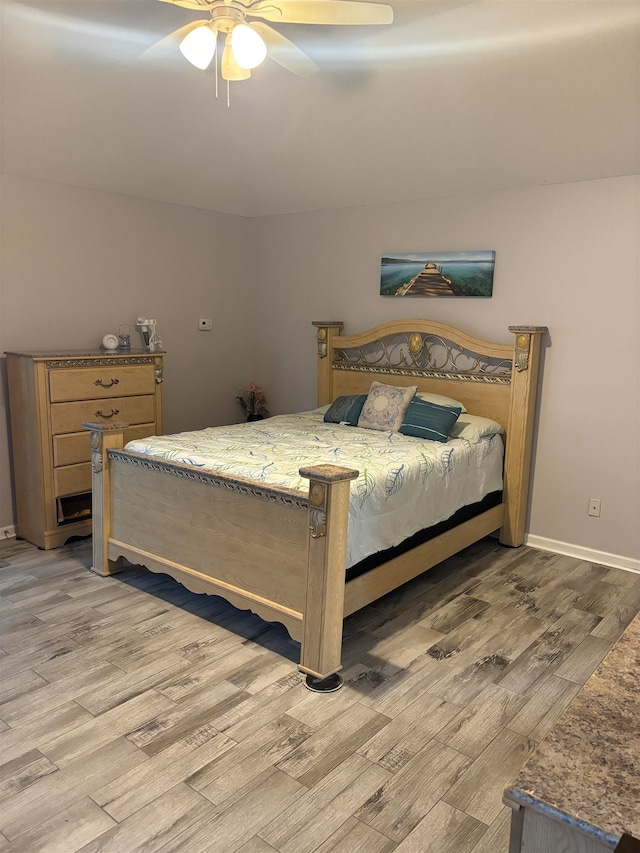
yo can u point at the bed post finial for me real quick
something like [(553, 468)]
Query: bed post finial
[(521, 350), (327, 330), (524, 390)]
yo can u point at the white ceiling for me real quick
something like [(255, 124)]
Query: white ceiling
[(454, 97)]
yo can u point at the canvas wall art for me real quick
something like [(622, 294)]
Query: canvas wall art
[(437, 274)]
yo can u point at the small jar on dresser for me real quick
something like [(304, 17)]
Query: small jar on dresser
[(50, 395)]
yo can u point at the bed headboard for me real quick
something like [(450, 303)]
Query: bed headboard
[(494, 380)]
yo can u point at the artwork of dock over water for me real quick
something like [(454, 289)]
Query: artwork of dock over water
[(437, 274)]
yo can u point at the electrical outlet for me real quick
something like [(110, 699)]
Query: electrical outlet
[(594, 507), (205, 325)]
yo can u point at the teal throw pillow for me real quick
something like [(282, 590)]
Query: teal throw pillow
[(428, 420), (345, 410)]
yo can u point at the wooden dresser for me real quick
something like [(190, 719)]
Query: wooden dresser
[(50, 395)]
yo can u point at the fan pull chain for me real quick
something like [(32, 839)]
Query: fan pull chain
[(215, 62), (228, 93)]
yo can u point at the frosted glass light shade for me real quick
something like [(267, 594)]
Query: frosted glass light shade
[(248, 48), (229, 68), (199, 46)]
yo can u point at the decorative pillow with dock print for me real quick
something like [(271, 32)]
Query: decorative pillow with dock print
[(385, 407)]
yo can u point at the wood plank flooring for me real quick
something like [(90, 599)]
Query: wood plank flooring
[(137, 717)]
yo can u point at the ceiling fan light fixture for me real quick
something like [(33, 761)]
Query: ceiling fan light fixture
[(249, 50), (246, 44), (229, 68), (199, 46)]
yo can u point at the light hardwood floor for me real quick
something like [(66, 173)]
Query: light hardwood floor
[(138, 717)]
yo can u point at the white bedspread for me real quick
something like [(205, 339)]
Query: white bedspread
[(405, 484)]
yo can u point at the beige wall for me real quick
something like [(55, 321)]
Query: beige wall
[(77, 263), (566, 256)]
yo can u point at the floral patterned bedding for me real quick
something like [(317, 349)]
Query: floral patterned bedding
[(405, 483)]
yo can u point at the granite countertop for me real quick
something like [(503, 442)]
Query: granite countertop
[(588, 767)]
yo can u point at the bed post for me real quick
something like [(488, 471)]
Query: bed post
[(103, 437), (524, 389), (327, 330), (324, 601)]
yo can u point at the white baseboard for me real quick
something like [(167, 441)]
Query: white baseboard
[(602, 558), (7, 532)]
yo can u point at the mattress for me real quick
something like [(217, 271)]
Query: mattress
[(405, 484)]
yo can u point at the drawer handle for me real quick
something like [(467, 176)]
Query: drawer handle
[(105, 384), (100, 414)]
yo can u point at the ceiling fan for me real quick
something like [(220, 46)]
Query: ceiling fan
[(246, 41)]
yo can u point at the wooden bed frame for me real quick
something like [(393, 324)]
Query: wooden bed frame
[(280, 552)]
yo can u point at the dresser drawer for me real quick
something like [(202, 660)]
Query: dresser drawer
[(72, 479), (89, 383), (75, 447), (69, 417)]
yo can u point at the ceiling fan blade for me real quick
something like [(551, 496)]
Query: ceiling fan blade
[(333, 12), (285, 52), (169, 43), (189, 4)]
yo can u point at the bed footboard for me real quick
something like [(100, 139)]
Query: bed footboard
[(278, 552)]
